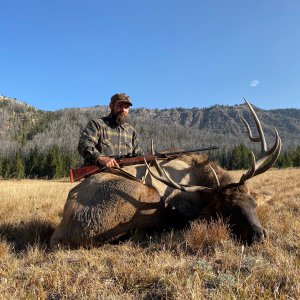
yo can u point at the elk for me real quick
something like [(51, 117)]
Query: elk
[(107, 205)]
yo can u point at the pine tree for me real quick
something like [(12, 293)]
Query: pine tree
[(288, 156), (54, 163), (70, 160), (285, 160), (6, 168), (296, 162), (33, 164), (240, 157), (18, 167)]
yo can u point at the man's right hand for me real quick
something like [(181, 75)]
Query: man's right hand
[(107, 162)]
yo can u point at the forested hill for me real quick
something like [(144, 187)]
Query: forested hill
[(25, 127)]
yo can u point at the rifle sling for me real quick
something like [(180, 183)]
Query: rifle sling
[(119, 171)]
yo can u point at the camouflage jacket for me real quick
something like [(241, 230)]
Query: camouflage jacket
[(103, 137)]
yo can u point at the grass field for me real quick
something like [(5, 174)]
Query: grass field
[(199, 263)]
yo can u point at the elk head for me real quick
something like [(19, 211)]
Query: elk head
[(233, 201)]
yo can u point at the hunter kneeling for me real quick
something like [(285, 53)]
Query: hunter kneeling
[(110, 136)]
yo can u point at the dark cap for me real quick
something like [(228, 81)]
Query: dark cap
[(120, 98)]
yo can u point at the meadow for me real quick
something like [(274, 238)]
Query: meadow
[(200, 262)]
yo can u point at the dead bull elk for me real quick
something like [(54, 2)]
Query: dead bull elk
[(106, 206), (219, 196)]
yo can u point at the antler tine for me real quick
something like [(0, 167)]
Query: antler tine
[(261, 137), (158, 167), (250, 173), (216, 176), (251, 138), (254, 171), (167, 180), (152, 148), (277, 142), (262, 165), (273, 150), (155, 160)]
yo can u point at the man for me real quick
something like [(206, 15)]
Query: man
[(110, 135)]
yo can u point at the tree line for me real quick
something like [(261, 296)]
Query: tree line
[(47, 165), (56, 163)]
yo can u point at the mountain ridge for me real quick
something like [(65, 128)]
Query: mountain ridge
[(24, 126)]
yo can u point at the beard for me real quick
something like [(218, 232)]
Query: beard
[(119, 117)]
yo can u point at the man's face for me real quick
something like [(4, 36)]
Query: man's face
[(120, 111)]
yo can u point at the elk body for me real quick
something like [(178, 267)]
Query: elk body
[(106, 206)]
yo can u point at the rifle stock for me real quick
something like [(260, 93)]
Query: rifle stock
[(79, 173)]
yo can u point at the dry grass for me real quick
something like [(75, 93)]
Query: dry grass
[(199, 263)]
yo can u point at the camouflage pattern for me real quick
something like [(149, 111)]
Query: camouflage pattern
[(103, 137), (120, 97)]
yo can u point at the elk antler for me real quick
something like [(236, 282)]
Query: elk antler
[(268, 157), (166, 179)]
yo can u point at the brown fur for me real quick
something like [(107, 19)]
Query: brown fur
[(106, 206), (206, 177)]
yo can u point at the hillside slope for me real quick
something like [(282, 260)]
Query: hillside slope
[(23, 126)]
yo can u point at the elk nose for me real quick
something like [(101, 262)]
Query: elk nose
[(256, 235)]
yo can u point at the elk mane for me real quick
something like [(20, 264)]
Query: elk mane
[(203, 165)]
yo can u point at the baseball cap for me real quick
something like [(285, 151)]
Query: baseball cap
[(121, 97)]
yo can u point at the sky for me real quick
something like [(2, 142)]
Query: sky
[(163, 53)]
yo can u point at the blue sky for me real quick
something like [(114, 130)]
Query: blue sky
[(163, 53)]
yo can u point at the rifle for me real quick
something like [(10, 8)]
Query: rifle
[(126, 160)]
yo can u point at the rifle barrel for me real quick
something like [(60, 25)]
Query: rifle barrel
[(189, 151)]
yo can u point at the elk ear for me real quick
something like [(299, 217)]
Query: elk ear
[(262, 198)]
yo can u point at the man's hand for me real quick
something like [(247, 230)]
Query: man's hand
[(107, 162)]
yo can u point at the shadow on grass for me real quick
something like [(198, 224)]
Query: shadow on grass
[(38, 233), (174, 222), (24, 234)]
